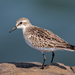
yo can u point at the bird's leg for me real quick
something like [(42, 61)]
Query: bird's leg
[(52, 58), (42, 67)]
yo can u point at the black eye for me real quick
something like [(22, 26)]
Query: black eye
[(20, 22)]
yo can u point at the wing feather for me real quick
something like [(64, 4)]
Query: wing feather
[(40, 37)]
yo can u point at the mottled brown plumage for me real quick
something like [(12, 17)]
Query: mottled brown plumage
[(40, 37)]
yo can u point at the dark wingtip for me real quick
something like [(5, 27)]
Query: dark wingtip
[(71, 46)]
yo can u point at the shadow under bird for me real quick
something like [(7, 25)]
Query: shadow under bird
[(41, 39)]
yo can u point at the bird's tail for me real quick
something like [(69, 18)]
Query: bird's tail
[(70, 47)]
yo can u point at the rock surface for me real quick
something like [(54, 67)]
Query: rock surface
[(32, 68)]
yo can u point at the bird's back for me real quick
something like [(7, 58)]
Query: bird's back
[(44, 39)]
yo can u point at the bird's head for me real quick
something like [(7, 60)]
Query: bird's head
[(21, 23)]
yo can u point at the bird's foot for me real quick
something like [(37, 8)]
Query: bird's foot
[(51, 64), (42, 67)]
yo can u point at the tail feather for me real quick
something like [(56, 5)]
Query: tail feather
[(70, 47)]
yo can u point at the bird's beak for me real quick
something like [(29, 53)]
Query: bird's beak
[(13, 29)]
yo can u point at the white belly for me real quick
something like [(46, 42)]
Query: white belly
[(43, 49)]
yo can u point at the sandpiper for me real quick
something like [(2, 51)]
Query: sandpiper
[(41, 39)]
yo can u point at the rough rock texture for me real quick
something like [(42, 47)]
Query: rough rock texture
[(32, 68)]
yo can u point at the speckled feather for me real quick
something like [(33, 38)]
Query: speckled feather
[(40, 37)]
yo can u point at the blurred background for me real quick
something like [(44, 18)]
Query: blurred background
[(57, 16)]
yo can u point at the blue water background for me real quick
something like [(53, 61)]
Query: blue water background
[(57, 16)]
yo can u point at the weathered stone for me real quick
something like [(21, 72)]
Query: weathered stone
[(73, 69), (32, 68)]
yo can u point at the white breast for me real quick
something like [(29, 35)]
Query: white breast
[(42, 49)]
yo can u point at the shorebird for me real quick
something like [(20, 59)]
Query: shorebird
[(41, 39)]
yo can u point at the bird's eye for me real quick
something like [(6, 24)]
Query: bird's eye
[(20, 22)]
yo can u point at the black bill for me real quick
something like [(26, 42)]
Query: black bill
[(13, 29)]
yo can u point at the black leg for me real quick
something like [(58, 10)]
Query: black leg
[(52, 58), (42, 67)]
